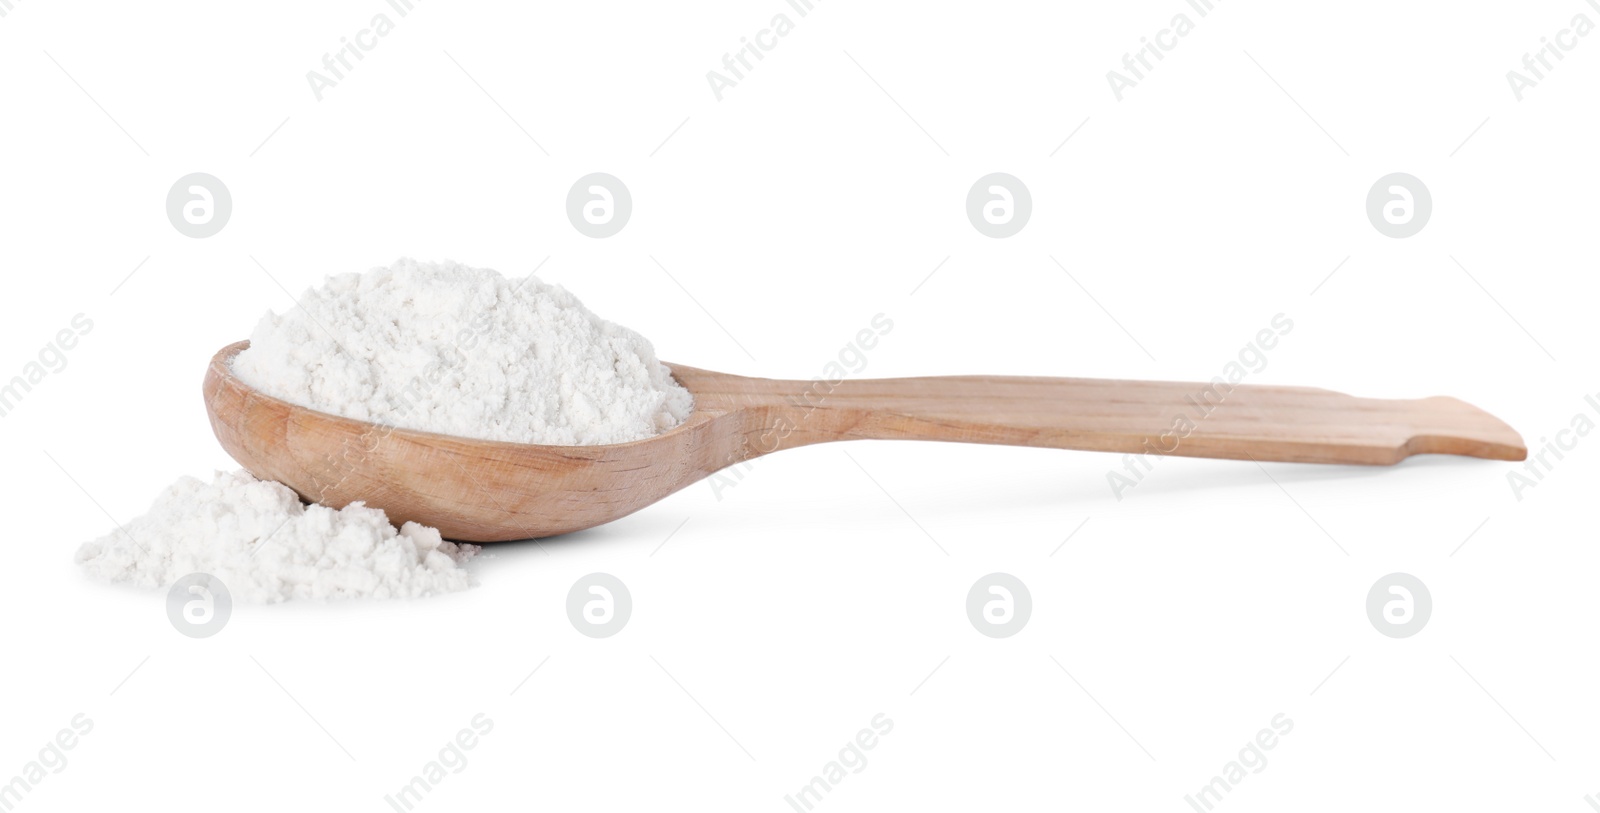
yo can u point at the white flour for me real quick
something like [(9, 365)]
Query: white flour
[(443, 347), (265, 546)]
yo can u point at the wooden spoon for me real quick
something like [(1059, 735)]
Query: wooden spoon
[(485, 491)]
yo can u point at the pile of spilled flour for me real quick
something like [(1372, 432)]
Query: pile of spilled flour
[(438, 347), (265, 546)]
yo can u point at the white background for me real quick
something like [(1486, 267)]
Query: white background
[(780, 618)]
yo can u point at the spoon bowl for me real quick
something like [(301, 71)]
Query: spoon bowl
[(488, 491)]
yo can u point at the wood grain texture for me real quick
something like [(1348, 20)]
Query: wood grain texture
[(484, 491)]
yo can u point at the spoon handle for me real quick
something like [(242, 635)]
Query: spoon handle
[(1216, 419)]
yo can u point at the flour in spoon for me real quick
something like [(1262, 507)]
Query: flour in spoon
[(264, 546), (443, 347)]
